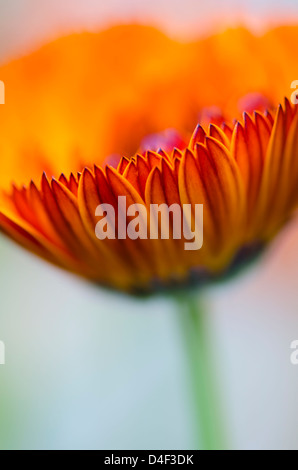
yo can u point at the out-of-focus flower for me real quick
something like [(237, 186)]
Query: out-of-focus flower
[(246, 177), (87, 97)]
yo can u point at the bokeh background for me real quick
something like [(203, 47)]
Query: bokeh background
[(88, 369)]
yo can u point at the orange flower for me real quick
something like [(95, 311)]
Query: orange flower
[(89, 98), (245, 176)]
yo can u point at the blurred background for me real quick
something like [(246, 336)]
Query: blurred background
[(24, 23), (88, 369)]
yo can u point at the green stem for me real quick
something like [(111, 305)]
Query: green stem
[(204, 390)]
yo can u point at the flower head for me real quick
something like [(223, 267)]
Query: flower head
[(83, 100), (245, 175)]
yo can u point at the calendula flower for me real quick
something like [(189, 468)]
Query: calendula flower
[(245, 177)]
